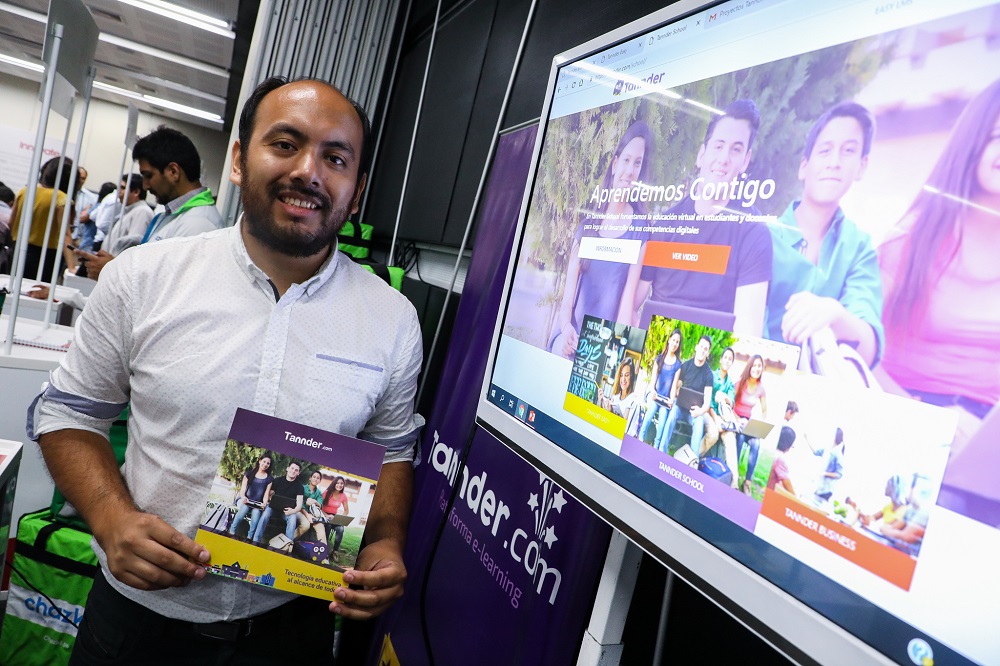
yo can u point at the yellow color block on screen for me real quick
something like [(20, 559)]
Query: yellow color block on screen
[(591, 413)]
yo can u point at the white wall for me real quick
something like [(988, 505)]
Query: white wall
[(104, 135)]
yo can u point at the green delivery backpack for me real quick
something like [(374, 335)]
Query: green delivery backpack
[(355, 240), (53, 571)]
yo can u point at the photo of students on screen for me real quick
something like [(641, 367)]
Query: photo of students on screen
[(606, 289), (825, 268), (741, 289)]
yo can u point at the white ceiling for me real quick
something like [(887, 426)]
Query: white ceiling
[(183, 64)]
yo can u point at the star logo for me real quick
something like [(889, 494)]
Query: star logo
[(550, 497), (558, 501)]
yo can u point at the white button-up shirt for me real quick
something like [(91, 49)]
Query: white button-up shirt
[(186, 331)]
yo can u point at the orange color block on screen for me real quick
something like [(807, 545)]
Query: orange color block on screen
[(882, 560), (696, 257)]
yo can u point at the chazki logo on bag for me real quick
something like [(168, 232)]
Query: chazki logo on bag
[(520, 550), (56, 614)]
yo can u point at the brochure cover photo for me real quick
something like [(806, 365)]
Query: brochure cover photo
[(289, 504)]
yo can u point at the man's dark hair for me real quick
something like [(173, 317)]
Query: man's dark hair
[(838, 437), (705, 337), (843, 110), (786, 438), (135, 184), (165, 145), (106, 189), (792, 407), (741, 109), (50, 169), (249, 116), (6, 194)]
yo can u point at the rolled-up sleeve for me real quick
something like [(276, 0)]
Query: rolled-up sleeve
[(90, 387)]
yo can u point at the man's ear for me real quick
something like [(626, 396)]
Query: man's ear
[(862, 168), (173, 172), (356, 203), (236, 170)]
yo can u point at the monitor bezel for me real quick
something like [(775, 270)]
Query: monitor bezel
[(797, 631)]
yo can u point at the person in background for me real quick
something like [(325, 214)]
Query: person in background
[(696, 375), (742, 288), (720, 418), (287, 500), (895, 510), (88, 232), (623, 399), (825, 268), (105, 215), (335, 501), (313, 503), (45, 192), (665, 368), (170, 167), (83, 228), (254, 496), (942, 281), (780, 476), (833, 467), (749, 394), (128, 231), (605, 289), (6, 244)]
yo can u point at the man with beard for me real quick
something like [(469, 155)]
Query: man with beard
[(269, 317), (171, 169)]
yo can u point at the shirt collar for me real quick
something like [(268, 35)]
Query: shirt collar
[(183, 199), (310, 286), (790, 226)]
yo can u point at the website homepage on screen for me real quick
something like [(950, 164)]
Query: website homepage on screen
[(758, 264)]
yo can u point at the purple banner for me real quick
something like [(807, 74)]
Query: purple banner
[(515, 550), (308, 443)]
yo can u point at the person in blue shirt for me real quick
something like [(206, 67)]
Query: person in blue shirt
[(825, 271), (665, 367)]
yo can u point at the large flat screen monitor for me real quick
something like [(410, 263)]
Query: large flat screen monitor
[(753, 314)]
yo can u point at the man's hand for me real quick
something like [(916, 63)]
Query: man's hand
[(806, 313), (380, 571), (146, 553), (94, 262), (41, 292)]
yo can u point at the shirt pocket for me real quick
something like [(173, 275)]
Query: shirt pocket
[(342, 392)]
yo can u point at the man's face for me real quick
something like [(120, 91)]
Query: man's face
[(299, 174), (129, 197), (835, 162), (292, 472), (81, 176), (727, 152), (701, 351), (163, 184)]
